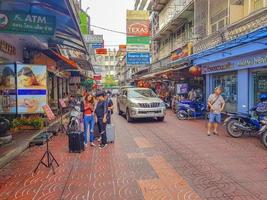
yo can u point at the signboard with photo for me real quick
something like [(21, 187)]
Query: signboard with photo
[(182, 88), (7, 89), (31, 88)]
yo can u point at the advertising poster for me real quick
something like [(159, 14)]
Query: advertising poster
[(182, 88), (7, 89), (31, 88)]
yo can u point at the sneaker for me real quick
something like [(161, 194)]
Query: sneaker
[(85, 145), (208, 134), (92, 144), (215, 133), (102, 146), (99, 139)]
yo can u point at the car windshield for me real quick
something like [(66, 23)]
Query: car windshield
[(141, 93)]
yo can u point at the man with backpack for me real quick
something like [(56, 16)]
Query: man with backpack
[(216, 105)]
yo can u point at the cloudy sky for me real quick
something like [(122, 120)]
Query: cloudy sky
[(110, 14)]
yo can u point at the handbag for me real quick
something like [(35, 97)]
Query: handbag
[(208, 107)]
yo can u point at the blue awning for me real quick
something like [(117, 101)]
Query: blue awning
[(257, 36), (67, 28)]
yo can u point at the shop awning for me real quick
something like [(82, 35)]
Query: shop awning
[(67, 30), (62, 61), (83, 63)]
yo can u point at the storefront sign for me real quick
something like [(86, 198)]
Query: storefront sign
[(31, 88), (185, 51), (138, 58), (217, 68), (97, 45), (138, 48), (101, 51), (49, 113), (253, 61), (138, 28), (7, 89), (84, 22), (92, 39), (97, 77), (75, 80), (7, 48), (138, 40), (137, 14), (26, 23), (182, 88)]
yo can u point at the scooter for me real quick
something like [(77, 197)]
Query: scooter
[(187, 109)]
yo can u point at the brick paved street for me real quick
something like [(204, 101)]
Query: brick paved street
[(149, 160)]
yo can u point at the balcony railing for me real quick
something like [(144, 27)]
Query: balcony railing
[(232, 31)]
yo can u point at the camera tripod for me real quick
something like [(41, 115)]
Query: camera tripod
[(49, 157)]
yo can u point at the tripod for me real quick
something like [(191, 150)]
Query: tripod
[(50, 158)]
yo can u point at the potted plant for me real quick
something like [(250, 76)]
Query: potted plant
[(36, 123)]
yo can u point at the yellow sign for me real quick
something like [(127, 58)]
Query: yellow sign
[(137, 14)]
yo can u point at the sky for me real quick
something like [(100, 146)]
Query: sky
[(110, 14)]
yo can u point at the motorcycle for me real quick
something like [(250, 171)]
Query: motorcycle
[(187, 109)]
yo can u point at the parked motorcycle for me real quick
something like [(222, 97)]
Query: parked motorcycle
[(187, 109)]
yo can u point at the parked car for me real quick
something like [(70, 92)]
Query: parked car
[(140, 103)]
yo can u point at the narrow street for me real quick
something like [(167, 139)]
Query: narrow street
[(149, 160)]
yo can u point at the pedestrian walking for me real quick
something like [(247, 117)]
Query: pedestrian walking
[(216, 105), (89, 121), (101, 117), (192, 95)]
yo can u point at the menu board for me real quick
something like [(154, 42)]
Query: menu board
[(31, 88), (7, 89)]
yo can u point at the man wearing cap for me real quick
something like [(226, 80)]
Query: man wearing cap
[(216, 105), (101, 117)]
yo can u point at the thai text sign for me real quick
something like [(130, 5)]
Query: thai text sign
[(138, 40), (26, 23), (137, 14), (138, 28), (182, 52), (101, 51), (93, 39), (138, 48), (218, 68), (138, 58), (49, 113), (97, 45)]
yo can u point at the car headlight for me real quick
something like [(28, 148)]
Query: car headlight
[(134, 104)]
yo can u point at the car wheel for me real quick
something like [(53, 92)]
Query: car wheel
[(128, 117), (119, 110), (161, 119)]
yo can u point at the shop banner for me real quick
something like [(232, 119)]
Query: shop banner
[(26, 23), (84, 22), (92, 39), (7, 89), (138, 58), (101, 51), (97, 45), (97, 77), (138, 40), (182, 52), (138, 48), (182, 88), (137, 14), (138, 28), (31, 88)]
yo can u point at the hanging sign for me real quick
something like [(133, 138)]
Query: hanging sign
[(138, 28), (97, 45), (138, 48), (26, 23), (138, 40), (101, 51), (138, 58)]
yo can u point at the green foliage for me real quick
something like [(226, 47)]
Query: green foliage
[(88, 84), (109, 81), (36, 123)]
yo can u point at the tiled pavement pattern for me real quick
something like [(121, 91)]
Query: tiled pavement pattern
[(149, 160)]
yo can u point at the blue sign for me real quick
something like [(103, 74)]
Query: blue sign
[(97, 45), (138, 58)]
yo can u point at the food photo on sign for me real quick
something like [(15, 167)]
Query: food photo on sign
[(7, 77), (30, 104)]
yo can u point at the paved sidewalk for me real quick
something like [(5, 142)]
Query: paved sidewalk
[(149, 160)]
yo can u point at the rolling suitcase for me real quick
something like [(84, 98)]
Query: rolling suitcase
[(110, 132), (76, 142)]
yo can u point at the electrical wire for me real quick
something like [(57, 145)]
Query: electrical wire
[(110, 30)]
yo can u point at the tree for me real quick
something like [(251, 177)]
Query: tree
[(109, 81)]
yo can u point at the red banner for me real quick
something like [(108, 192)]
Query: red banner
[(101, 51), (97, 77), (138, 28), (49, 113)]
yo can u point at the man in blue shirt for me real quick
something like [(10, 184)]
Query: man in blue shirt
[(101, 117)]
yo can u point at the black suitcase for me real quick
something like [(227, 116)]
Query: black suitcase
[(76, 142)]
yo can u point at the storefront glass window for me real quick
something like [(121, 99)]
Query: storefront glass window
[(260, 84), (229, 84)]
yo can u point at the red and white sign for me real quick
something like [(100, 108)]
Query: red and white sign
[(62, 103), (138, 28), (101, 51), (49, 113), (97, 77)]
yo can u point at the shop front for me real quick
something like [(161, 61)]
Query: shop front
[(243, 80)]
